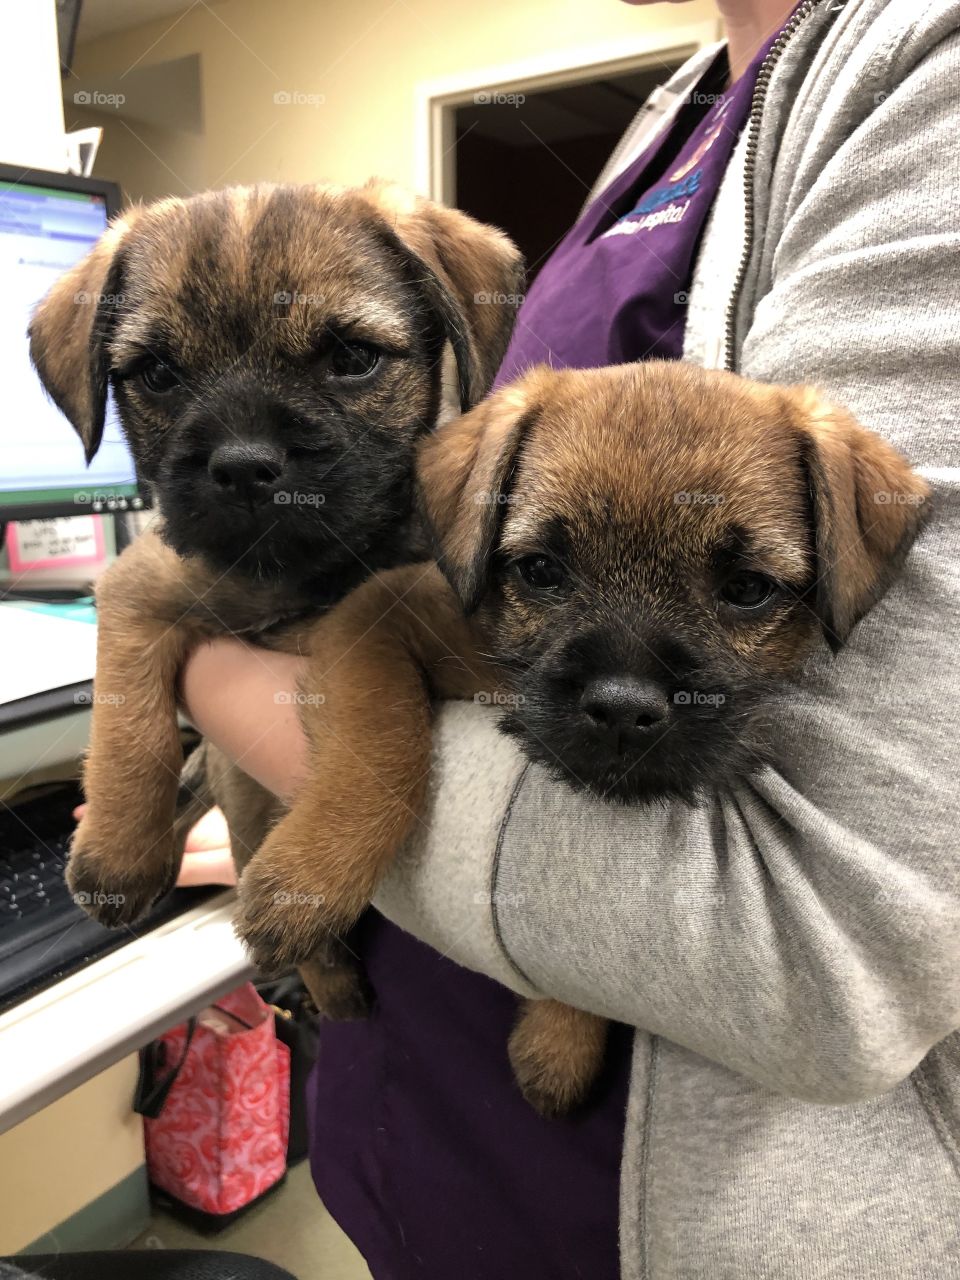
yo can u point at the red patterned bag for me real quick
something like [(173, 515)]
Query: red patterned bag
[(215, 1096)]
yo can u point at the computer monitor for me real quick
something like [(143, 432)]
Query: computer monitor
[(47, 222)]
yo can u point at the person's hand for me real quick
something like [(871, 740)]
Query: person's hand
[(206, 854), (244, 699)]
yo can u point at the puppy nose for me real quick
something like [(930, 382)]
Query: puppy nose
[(246, 469), (625, 705)]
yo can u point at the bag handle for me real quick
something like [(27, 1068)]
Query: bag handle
[(152, 1087), (247, 1026)]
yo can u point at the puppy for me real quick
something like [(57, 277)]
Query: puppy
[(275, 354), (643, 556)]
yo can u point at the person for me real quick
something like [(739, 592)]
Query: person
[(781, 1096)]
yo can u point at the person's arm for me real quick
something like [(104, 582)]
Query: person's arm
[(804, 928), (243, 699)]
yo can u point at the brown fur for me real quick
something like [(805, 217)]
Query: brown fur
[(606, 451), (596, 459), (247, 294), (241, 254)]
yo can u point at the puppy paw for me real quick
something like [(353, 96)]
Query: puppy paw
[(281, 925), (118, 892), (340, 991), (546, 1085), (556, 1053)]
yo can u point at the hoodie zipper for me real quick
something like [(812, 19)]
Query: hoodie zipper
[(750, 160)]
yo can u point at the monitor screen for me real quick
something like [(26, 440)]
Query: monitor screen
[(44, 229)]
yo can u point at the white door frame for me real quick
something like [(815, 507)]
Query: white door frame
[(435, 99)]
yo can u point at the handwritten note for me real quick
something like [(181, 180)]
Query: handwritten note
[(52, 544)]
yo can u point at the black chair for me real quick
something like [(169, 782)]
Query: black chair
[(145, 1264)]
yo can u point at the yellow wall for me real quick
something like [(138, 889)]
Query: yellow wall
[(60, 1160), (364, 57)]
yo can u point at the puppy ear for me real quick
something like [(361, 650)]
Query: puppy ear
[(868, 507), (471, 273), (465, 473), (69, 332)]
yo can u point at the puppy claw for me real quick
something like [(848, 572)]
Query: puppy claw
[(282, 928), (271, 951), (113, 896), (551, 1105)]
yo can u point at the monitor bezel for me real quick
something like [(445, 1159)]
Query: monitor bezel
[(16, 175), (20, 177)]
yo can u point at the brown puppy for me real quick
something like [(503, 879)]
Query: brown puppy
[(642, 555), (275, 354)]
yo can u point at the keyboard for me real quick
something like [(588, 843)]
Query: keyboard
[(44, 934)]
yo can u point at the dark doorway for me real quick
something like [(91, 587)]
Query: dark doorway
[(526, 166)]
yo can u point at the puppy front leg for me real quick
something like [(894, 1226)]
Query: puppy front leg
[(123, 854), (369, 734), (556, 1053), (365, 705), (333, 974)]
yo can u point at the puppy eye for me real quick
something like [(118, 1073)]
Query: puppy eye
[(540, 572), (353, 360), (747, 590), (158, 377)]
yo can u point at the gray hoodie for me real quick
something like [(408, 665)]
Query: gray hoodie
[(789, 950)]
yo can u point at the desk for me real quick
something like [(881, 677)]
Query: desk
[(63, 1036), (33, 741), (56, 1040)]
